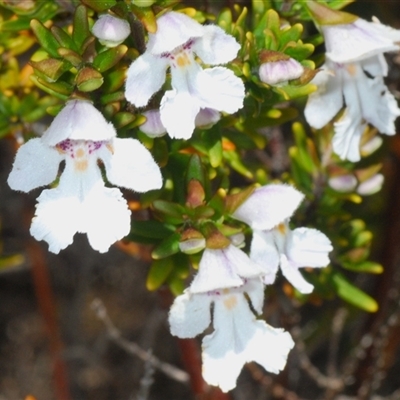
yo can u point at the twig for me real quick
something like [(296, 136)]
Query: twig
[(277, 390), (338, 322), (314, 373), (147, 380), (133, 348)]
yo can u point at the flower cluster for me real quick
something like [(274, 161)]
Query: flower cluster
[(177, 40), (352, 76), (184, 57), (233, 283)]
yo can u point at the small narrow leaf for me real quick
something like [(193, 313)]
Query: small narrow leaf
[(352, 294), (158, 274), (45, 38), (81, 26)]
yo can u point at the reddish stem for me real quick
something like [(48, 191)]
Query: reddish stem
[(46, 302), (192, 362)]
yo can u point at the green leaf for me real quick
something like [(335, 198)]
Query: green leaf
[(304, 155), (107, 59), (99, 5), (151, 229), (159, 272), (291, 34), (45, 38), (352, 294), (50, 69), (195, 170), (273, 22), (70, 55), (61, 90), (368, 267), (81, 26), (114, 80), (167, 247), (88, 79), (63, 38), (172, 209), (146, 17), (123, 119), (300, 52), (235, 161)]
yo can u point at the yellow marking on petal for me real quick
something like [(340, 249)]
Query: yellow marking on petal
[(282, 229), (351, 69), (80, 153), (110, 147), (182, 60), (81, 165), (230, 302)]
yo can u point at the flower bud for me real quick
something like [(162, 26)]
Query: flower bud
[(343, 183), (371, 185), (192, 241), (278, 68), (153, 126), (111, 31)]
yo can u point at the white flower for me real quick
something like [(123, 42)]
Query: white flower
[(266, 211), (352, 77), (302, 247), (80, 136), (177, 40), (279, 72), (238, 337), (111, 31), (360, 87), (359, 40), (223, 268)]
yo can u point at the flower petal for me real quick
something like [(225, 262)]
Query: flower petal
[(106, 218), (348, 132), (145, 77), (218, 88), (264, 252), (129, 164), (223, 268), (379, 108), (173, 30), (268, 206), (78, 120), (375, 66), (307, 247), (359, 40), (294, 276), (35, 165), (270, 347), (56, 220), (239, 338), (255, 290), (326, 102), (190, 314), (178, 112), (215, 46), (224, 350)]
